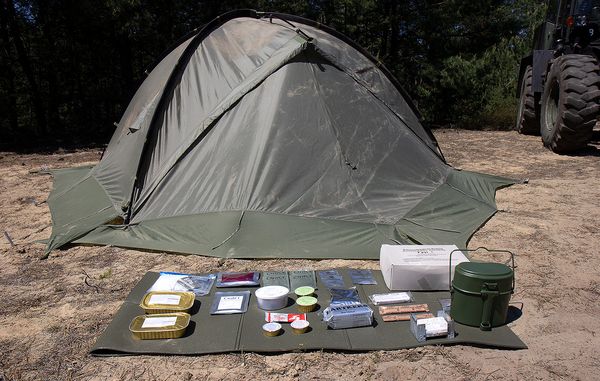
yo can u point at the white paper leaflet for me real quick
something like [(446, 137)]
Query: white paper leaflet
[(165, 299), (436, 326), (157, 322)]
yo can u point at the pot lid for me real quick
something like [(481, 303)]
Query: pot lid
[(472, 275), (486, 269)]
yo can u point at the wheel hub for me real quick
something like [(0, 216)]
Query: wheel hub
[(551, 107)]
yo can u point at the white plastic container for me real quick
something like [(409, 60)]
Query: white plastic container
[(418, 267), (272, 297)]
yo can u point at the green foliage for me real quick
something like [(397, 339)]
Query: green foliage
[(468, 76), (478, 90), (69, 68), (106, 274)]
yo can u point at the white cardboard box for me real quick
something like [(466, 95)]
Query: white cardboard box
[(418, 267)]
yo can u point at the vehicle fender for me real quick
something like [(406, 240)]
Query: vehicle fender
[(525, 61), (541, 59)]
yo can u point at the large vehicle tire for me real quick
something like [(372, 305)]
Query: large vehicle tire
[(528, 115), (570, 102)]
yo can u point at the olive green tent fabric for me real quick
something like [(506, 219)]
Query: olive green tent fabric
[(78, 204), (455, 210), (446, 216), (242, 332), (271, 136)]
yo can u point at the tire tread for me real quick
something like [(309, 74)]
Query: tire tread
[(529, 122), (578, 78)]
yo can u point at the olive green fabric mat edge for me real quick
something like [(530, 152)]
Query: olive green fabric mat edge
[(242, 332)]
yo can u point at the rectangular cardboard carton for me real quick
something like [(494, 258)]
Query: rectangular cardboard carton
[(418, 267)]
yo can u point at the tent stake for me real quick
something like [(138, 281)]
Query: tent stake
[(12, 244)]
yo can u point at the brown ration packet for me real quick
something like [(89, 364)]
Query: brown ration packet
[(405, 317), (411, 308)]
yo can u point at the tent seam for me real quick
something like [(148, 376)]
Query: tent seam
[(258, 211), (239, 226), (336, 136), (471, 196), (420, 202), (110, 199), (173, 80), (210, 119), (360, 82)]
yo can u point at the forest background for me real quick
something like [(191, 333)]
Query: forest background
[(68, 68)]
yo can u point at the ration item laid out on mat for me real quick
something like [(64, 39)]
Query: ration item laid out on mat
[(208, 333)]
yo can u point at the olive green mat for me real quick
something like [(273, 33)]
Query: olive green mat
[(242, 332)]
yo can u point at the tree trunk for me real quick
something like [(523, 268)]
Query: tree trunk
[(395, 32), (50, 69), (385, 33), (8, 12), (123, 45), (9, 74)]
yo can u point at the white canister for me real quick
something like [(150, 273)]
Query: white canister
[(272, 297)]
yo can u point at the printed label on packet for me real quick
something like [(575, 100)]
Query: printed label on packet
[(302, 278), (283, 318), (276, 278), (165, 299), (157, 322), (233, 302), (391, 298)]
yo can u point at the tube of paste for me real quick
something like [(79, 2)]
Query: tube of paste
[(283, 318)]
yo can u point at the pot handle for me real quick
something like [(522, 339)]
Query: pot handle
[(488, 305), (512, 258)]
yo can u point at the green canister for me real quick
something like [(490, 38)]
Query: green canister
[(481, 293)]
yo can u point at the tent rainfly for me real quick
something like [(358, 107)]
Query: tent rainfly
[(266, 135)]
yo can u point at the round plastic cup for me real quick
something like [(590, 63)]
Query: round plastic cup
[(300, 326), (272, 329), (306, 303), (272, 297), (304, 291)]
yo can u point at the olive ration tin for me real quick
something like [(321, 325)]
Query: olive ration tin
[(481, 293), (160, 326), (161, 302)]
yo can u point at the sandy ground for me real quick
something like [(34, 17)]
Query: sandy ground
[(52, 311)]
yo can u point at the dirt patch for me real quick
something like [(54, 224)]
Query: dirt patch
[(52, 311)]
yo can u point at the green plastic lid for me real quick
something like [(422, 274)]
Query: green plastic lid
[(304, 291), (471, 276), (306, 301)]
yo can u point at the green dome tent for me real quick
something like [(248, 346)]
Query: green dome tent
[(268, 135)]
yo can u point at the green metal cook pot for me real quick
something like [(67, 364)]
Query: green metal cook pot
[(480, 292)]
